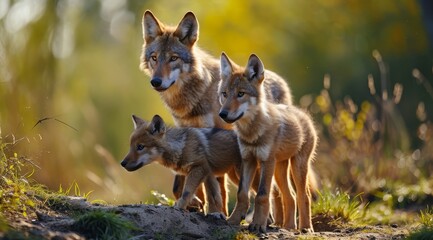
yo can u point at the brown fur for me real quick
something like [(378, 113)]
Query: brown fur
[(187, 78), (271, 136)]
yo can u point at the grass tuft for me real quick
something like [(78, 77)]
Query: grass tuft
[(340, 206), (18, 195), (244, 235), (426, 217), (425, 231), (103, 225)]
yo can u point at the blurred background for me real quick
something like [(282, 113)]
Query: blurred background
[(362, 68)]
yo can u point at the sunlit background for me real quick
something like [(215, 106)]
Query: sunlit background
[(363, 69)]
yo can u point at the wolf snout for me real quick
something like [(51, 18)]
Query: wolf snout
[(156, 82), (223, 114)]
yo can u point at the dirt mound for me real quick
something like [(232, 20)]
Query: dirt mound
[(162, 222)]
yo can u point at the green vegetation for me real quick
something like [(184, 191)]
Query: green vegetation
[(17, 192), (103, 225), (56, 200), (421, 234), (340, 206), (426, 217), (425, 230), (244, 236), (163, 199)]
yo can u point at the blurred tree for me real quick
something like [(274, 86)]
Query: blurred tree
[(28, 72)]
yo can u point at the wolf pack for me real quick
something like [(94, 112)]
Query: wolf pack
[(231, 121)]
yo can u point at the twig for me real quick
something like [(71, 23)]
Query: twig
[(52, 118)]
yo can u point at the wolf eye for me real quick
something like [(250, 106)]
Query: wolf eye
[(140, 147), (153, 58), (241, 94), (224, 94), (173, 58)]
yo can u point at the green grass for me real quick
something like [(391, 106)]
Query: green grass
[(18, 195), (244, 235), (56, 200), (340, 206), (425, 229), (103, 225), (21, 197), (421, 234), (426, 217)]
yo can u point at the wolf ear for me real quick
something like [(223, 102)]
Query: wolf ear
[(151, 27), (255, 69), (226, 66), (157, 126), (137, 121), (187, 29)]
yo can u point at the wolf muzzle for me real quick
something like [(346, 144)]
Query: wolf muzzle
[(124, 164), (223, 114), (156, 82)]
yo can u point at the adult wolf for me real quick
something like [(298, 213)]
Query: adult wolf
[(186, 78), (275, 137)]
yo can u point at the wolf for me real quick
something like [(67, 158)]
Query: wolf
[(187, 77), (200, 154), (274, 137)]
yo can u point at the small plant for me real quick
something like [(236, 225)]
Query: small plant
[(244, 235), (17, 194), (425, 231), (103, 225), (162, 198), (77, 191), (426, 217), (59, 200), (340, 206)]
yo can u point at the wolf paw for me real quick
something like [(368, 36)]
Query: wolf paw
[(195, 205), (235, 219), (289, 226), (177, 207), (217, 215), (270, 221), (307, 230), (255, 227)]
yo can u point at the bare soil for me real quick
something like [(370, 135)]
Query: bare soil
[(162, 222)]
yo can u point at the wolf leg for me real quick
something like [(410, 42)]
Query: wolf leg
[(287, 192), (299, 170), (248, 170), (196, 204), (261, 208), (277, 206), (192, 182), (213, 195), (223, 193)]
